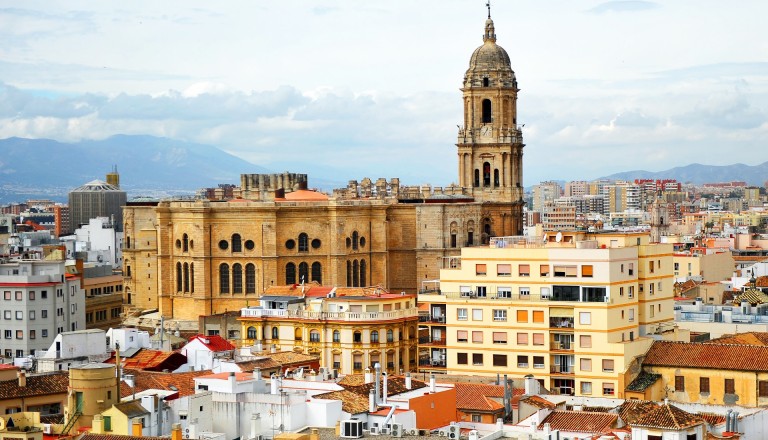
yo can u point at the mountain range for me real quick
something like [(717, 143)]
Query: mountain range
[(754, 175)]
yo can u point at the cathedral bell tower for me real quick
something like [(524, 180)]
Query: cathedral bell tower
[(490, 143)]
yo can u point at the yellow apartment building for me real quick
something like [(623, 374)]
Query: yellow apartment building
[(351, 329), (574, 309), (711, 266)]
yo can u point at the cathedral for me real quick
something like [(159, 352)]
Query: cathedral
[(219, 252)]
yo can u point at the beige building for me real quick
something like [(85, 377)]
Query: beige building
[(574, 309), (704, 265), (192, 258), (350, 329)]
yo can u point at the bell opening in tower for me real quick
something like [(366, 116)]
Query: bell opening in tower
[(487, 111)]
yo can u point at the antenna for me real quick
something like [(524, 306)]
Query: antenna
[(488, 5)]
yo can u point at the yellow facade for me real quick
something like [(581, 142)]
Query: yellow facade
[(745, 386), (350, 329), (92, 389), (573, 310), (711, 267)]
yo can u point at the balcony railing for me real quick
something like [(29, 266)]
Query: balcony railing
[(561, 346), (426, 340), (507, 297), (561, 322), (561, 369), (434, 363), (258, 312)]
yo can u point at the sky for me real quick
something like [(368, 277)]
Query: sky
[(350, 89)]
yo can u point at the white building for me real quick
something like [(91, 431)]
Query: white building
[(97, 242), (71, 349), (206, 352), (127, 338)]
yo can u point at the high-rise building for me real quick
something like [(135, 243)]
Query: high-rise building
[(545, 192), (96, 199)]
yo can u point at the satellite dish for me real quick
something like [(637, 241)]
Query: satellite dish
[(559, 237)]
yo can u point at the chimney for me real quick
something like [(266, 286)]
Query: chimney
[(384, 388), (257, 374), (274, 383), (232, 380), (314, 434), (531, 385), (22, 378), (176, 431), (372, 401), (377, 381), (273, 349), (408, 383), (255, 425), (547, 429), (136, 428), (367, 376), (432, 383)]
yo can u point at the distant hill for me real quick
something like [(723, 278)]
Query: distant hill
[(44, 168), (755, 175)]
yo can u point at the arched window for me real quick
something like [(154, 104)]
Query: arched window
[(275, 332), (290, 273), (349, 273), (362, 273), (355, 274), (224, 278), (357, 337), (250, 278), (390, 336), (178, 277), (303, 242), (496, 177), (303, 272), (486, 174), (314, 336), (487, 118), (477, 177), (252, 334), (355, 240), (237, 243), (317, 272), (297, 334), (185, 243), (374, 337), (192, 277), (336, 336), (237, 278), (186, 277)]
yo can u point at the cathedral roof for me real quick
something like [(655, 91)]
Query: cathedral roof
[(490, 58), (96, 186)]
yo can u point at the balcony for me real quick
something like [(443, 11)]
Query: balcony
[(561, 369), (258, 312), (560, 346), (561, 323), (432, 341), (432, 363), (531, 297)]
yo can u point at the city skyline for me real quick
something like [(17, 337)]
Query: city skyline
[(372, 89)]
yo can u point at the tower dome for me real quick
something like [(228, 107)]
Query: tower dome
[(490, 59)]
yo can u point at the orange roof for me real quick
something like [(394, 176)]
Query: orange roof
[(225, 376), (708, 355), (152, 360), (478, 397), (580, 421), (183, 383), (668, 417), (303, 195), (538, 402), (751, 338)]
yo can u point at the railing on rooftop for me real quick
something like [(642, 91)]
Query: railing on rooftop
[(257, 312), (505, 296)]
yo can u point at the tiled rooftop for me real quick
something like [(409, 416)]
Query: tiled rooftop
[(351, 402), (708, 355), (580, 421), (667, 416), (151, 380), (214, 343), (152, 360), (54, 383), (538, 402), (643, 381), (751, 338), (479, 397), (631, 410)]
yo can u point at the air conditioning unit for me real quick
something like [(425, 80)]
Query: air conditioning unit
[(374, 430), (453, 432), (384, 431), (413, 432), (396, 430), (352, 429)]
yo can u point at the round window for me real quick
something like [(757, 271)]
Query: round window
[(178, 243), (223, 245), (316, 243), (362, 241), (249, 245), (290, 244)]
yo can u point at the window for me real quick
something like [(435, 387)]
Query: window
[(586, 270), (223, 245), (524, 270), (7, 314), (499, 337), (565, 271), (390, 336), (31, 315), (375, 337), (336, 336), (631, 293), (538, 339), (44, 314), (290, 273), (585, 364), (650, 267), (275, 332), (465, 291), (461, 335), (20, 315), (538, 316), (7, 295), (608, 389), (522, 339), (314, 336), (631, 268), (522, 316), (482, 291), (504, 292), (237, 278), (357, 337), (544, 270), (224, 278), (317, 272), (679, 383), (538, 362), (585, 318), (477, 359), (504, 270), (631, 315), (650, 289), (250, 278), (477, 314), (44, 333), (762, 388), (730, 386), (499, 360), (304, 242), (461, 358), (585, 341), (703, 385), (480, 269), (237, 244), (251, 332), (607, 365), (477, 337), (8, 334), (32, 334), (525, 292), (461, 314), (499, 315), (31, 296), (586, 388), (19, 334), (19, 295)]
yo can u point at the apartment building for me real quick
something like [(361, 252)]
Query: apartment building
[(573, 309), (39, 300), (349, 328)]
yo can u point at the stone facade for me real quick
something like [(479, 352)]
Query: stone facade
[(191, 258)]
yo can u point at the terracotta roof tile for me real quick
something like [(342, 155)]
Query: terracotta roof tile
[(152, 360), (351, 402), (643, 381), (711, 418), (263, 364), (631, 410), (152, 380), (668, 417), (395, 385), (479, 397), (45, 384), (131, 408), (751, 338), (538, 402), (214, 342), (580, 421), (708, 355)]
